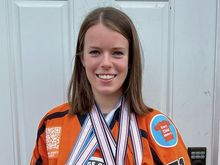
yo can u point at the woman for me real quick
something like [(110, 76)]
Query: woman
[(105, 120)]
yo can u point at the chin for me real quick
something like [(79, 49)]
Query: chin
[(106, 92), (109, 92)]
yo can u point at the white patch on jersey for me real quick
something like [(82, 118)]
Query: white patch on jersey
[(53, 141), (95, 161)]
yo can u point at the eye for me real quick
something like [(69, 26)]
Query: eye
[(118, 54), (94, 53)]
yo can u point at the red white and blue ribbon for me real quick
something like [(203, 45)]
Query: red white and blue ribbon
[(136, 140), (96, 133)]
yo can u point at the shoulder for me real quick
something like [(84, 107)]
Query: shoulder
[(56, 118), (151, 115), (160, 129), (63, 108), (163, 137), (57, 113), (153, 123)]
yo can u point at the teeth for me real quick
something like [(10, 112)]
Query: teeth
[(106, 76)]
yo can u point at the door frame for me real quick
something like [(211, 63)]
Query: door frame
[(216, 115)]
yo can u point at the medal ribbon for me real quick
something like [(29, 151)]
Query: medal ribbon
[(96, 132), (136, 140)]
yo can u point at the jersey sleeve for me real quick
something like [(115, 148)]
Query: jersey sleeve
[(165, 141), (39, 155)]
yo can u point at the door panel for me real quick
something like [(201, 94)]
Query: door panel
[(43, 64)]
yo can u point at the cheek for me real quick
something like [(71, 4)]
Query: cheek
[(90, 68), (88, 63), (123, 67)]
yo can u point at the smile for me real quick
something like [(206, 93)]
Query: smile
[(106, 76)]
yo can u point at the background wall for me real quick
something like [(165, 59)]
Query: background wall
[(6, 122), (195, 37), (181, 65)]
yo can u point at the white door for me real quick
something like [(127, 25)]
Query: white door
[(39, 65), (41, 37)]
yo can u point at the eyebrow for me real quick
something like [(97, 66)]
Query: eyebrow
[(114, 48), (93, 47), (119, 48)]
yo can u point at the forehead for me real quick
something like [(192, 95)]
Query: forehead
[(100, 34)]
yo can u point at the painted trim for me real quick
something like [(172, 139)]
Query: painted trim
[(169, 108), (146, 0), (7, 78), (216, 101)]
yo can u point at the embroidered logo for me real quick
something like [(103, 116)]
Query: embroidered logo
[(163, 131), (164, 127), (53, 141)]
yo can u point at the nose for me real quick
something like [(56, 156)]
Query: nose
[(106, 61)]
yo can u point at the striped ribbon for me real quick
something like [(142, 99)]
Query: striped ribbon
[(96, 132)]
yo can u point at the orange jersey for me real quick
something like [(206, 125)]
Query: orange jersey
[(59, 130)]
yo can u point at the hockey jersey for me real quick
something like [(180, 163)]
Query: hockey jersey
[(59, 130)]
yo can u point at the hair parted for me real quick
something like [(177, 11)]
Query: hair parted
[(80, 96)]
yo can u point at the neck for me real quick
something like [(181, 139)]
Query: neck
[(107, 103)]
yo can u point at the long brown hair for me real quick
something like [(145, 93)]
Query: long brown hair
[(80, 95)]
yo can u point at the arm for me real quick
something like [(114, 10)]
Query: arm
[(165, 140), (39, 156)]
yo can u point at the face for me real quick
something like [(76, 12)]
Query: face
[(105, 58)]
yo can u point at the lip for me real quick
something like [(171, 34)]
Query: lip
[(106, 77)]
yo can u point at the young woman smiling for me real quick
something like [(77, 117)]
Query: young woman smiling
[(105, 120)]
